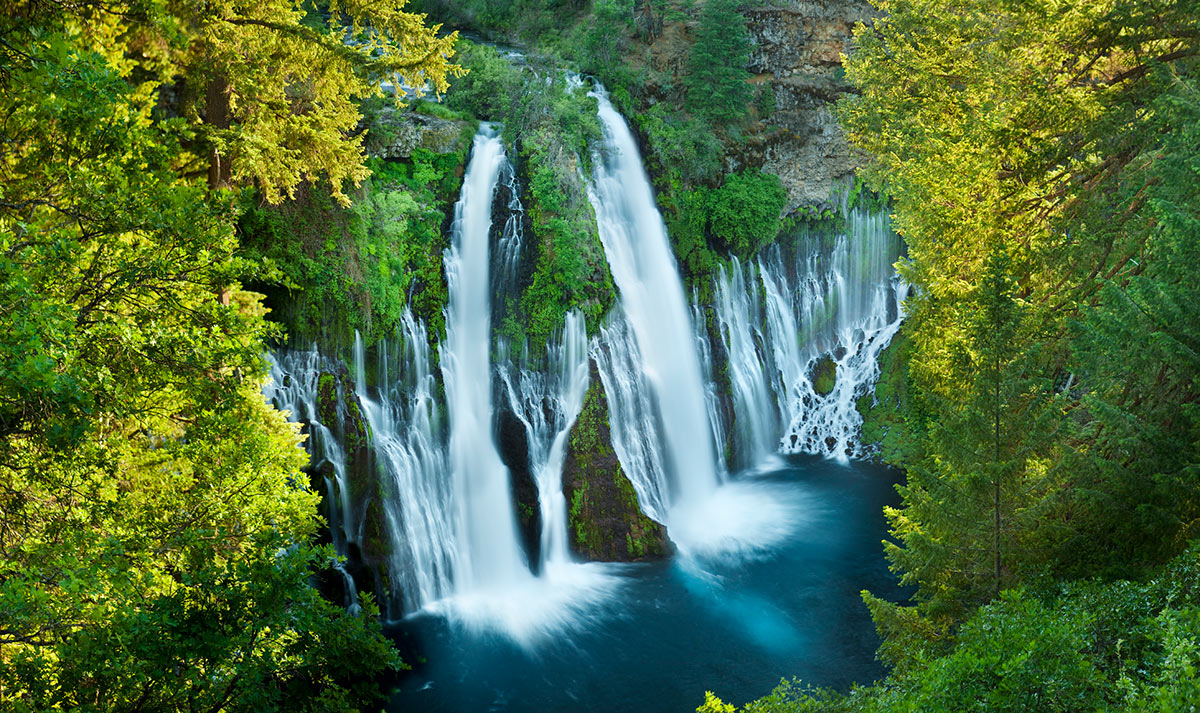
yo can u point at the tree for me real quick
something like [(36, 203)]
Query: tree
[(1136, 355), (970, 506), (155, 528), (716, 82), (1015, 128), (267, 91)]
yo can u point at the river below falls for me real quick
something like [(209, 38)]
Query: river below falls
[(672, 630)]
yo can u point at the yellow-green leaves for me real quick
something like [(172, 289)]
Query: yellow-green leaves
[(155, 526), (271, 100)]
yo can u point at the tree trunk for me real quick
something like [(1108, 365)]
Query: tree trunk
[(217, 115), (996, 488)]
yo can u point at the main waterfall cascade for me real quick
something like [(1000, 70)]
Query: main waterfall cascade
[(438, 523), (655, 344), (489, 553), (653, 303)]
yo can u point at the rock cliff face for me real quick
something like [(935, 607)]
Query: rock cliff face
[(796, 57), (797, 54)]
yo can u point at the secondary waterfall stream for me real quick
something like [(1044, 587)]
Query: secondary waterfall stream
[(780, 319)]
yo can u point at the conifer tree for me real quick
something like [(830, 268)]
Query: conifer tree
[(970, 502), (716, 81)]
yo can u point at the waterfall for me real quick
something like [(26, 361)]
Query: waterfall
[(739, 317), (652, 300), (632, 414), (712, 396), (293, 388), (838, 301), (547, 403), (508, 243), (414, 482), (666, 436), (852, 309), (490, 553), (428, 503), (494, 588), (405, 432)]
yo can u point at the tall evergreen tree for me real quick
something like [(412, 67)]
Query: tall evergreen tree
[(970, 505), (1137, 355), (716, 81)]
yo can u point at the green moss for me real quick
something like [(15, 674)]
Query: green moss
[(337, 269), (375, 543), (891, 422), (570, 270), (525, 513), (602, 496), (586, 536), (824, 375), (327, 399), (814, 219), (354, 437)]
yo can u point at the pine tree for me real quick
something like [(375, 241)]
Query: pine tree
[(1137, 356), (970, 504), (716, 83)]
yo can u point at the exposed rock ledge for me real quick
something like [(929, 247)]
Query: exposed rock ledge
[(797, 51), (394, 133)]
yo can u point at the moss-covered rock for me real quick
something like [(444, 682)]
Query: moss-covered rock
[(824, 375), (392, 133), (604, 520), (569, 269), (370, 541), (891, 428)]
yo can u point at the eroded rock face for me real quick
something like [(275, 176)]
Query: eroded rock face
[(513, 444), (797, 53), (603, 518), (393, 133), (796, 56)]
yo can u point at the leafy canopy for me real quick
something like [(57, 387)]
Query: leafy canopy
[(267, 90), (155, 527)]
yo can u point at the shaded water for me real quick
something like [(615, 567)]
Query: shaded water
[(672, 630)]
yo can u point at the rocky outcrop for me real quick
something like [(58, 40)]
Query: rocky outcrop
[(369, 544), (795, 61), (392, 133), (797, 55), (604, 520), (513, 444)]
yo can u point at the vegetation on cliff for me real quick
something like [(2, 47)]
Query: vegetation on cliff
[(359, 267), (689, 118), (552, 125)]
